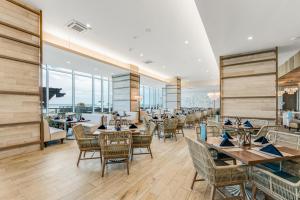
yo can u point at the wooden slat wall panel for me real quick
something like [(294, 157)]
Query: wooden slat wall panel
[(252, 108), (20, 81), (249, 69), (27, 78), (250, 58), (14, 135), (20, 17), (18, 50), (10, 32), (248, 85), (19, 108)]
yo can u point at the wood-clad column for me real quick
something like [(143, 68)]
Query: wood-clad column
[(20, 80), (248, 84), (126, 90), (173, 94)]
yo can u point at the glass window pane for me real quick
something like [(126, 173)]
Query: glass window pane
[(105, 96), (147, 96), (110, 95), (83, 94), (60, 92), (98, 102), (44, 90)]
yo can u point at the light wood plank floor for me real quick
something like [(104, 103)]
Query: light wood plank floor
[(52, 174)]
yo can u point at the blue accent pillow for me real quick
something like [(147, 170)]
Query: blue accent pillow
[(226, 143), (271, 150)]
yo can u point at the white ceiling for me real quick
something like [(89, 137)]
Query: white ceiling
[(58, 58), (118, 26), (271, 23)]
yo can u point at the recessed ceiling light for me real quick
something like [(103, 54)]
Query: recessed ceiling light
[(68, 62), (207, 70), (141, 54), (199, 60), (250, 38), (186, 42), (148, 30), (88, 25), (295, 38)]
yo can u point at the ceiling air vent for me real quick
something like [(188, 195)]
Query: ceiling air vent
[(148, 62), (77, 26)]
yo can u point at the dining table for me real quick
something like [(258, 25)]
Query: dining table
[(249, 155)]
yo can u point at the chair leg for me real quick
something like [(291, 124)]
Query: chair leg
[(62, 140), (182, 132), (84, 154), (103, 167), (79, 157), (243, 193), (127, 164), (174, 133), (254, 191), (212, 193), (150, 152), (194, 180), (131, 154)]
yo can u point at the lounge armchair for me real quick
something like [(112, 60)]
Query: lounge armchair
[(52, 134)]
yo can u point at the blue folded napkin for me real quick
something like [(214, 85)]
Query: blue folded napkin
[(155, 117), (248, 124), (226, 143), (228, 122), (271, 150), (262, 140), (132, 126), (172, 117), (226, 135), (102, 127)]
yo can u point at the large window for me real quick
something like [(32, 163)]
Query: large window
[(83, 94), (71, 91), (60, 92), (98, 95)]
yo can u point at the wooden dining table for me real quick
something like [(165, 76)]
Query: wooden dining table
[(250, 155)]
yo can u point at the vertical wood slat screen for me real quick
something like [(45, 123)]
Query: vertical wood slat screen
[(20, 78), (248, 85), (173, 94), (125, 89)]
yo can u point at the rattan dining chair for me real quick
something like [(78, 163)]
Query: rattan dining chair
[(115, 146), (216, 176), (264, 130), (180, 124), (143, 141), (168, 127), (86, 143), (190, 120)]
